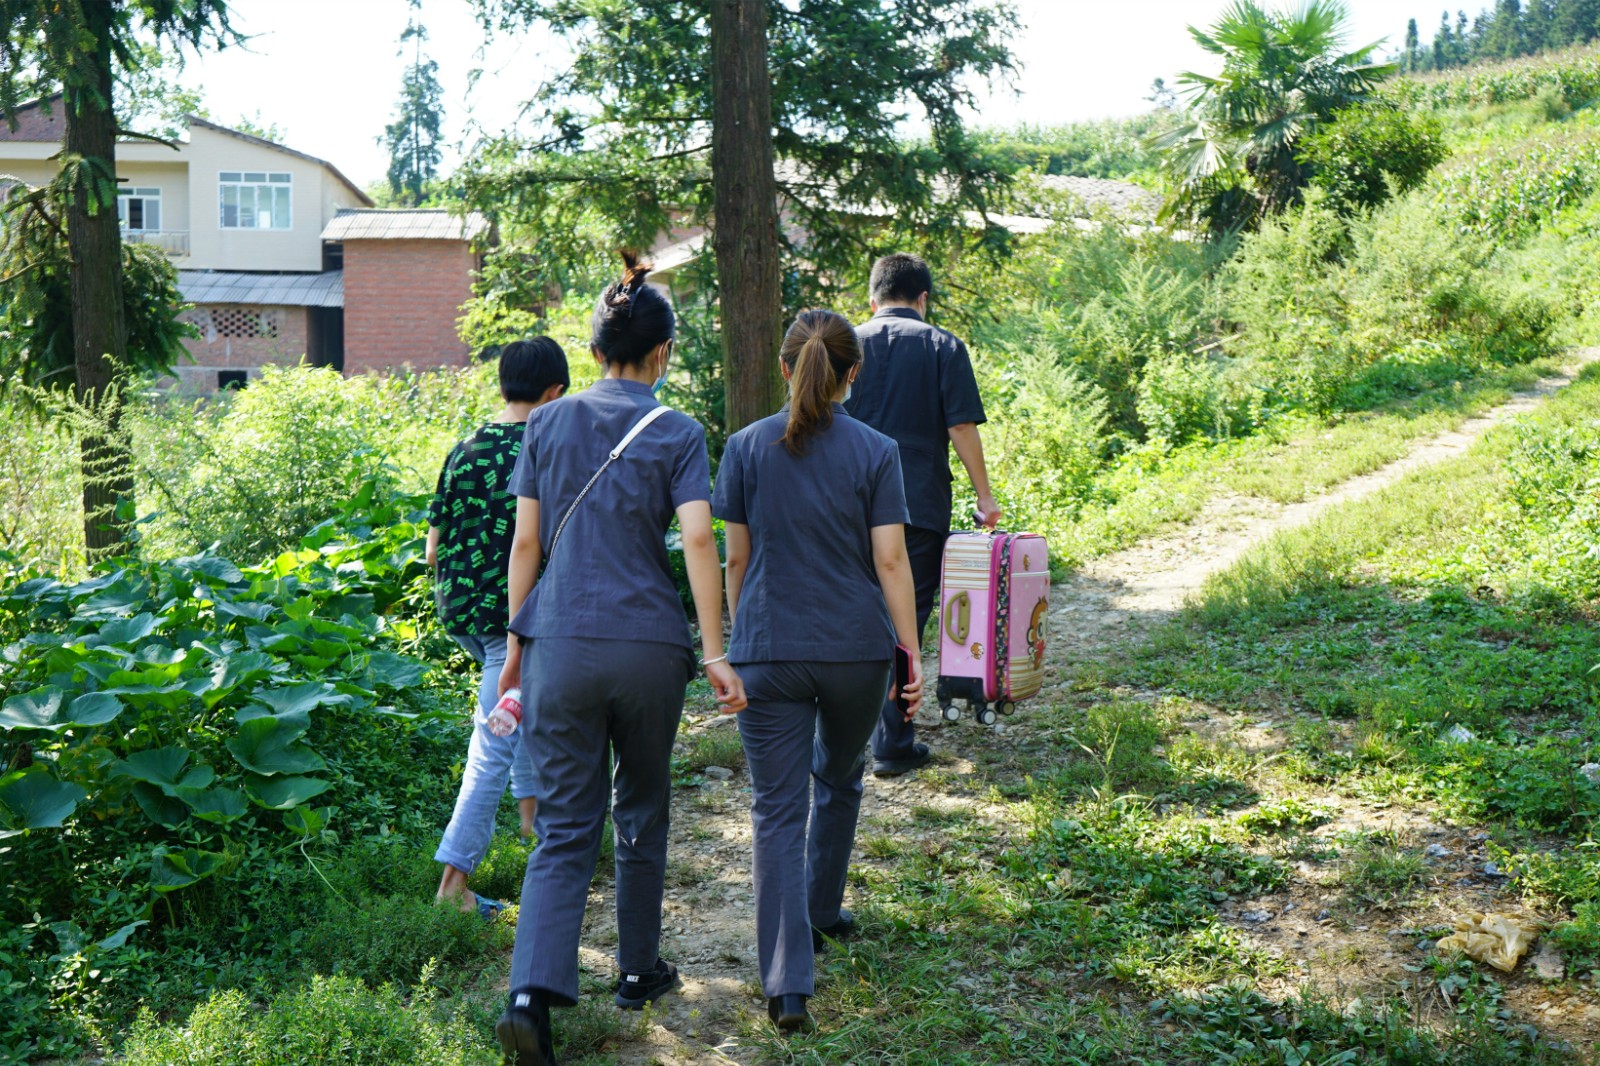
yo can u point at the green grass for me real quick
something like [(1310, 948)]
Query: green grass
[(1293, 458)]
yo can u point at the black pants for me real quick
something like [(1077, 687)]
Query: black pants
[(895, 737)]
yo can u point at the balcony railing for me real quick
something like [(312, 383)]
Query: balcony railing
[(174, 242)]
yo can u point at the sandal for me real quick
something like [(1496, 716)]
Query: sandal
[(489, 909)]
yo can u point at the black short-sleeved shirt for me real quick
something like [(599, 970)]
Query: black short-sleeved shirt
[(915, 383), (609, 578), (811, 592), (476, 516)]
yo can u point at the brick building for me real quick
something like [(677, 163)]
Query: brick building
[(282, 256), (406, 275)]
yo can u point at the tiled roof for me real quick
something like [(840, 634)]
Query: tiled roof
[(34, 123), (379, 224), (1123, 198), (272, 290)]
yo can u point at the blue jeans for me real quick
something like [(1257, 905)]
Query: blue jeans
[(490, 760)]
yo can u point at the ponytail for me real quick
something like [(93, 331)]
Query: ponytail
[(820, 349)]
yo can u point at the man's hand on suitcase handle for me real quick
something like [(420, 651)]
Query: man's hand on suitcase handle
[(988, 513)]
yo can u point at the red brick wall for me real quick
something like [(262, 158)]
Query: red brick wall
[(401, 301), (232, 339)]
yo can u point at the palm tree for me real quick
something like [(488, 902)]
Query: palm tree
[(1233, 159)]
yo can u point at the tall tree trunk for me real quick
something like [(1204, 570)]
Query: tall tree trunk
[(99, 333), (745, 222)]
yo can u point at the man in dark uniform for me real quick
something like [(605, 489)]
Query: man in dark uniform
[(916, 385)]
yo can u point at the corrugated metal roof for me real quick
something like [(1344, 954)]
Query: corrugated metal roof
[(276, 290), (380, 224)]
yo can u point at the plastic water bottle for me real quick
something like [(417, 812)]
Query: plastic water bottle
[(506, 715)]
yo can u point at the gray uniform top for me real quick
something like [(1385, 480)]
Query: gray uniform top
[(609, 578), (811, 592), (916, 382)]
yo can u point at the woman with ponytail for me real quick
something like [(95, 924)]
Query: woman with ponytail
[(602, 652), (820, 591)]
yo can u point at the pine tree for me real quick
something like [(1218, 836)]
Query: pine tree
[(1408, 61), (80, 48), (413, 137), (1574, 22), (1537, 19)]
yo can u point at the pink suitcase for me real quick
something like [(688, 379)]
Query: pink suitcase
[(994, 595)]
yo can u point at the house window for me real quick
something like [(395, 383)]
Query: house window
[(139, 210), (254, 199)]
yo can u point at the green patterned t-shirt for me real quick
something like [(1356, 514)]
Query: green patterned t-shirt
[(476, 517)]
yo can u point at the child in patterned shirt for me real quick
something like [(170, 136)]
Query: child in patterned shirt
[(470, 524)]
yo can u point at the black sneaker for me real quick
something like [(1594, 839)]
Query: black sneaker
[(524, 1032), (904, 765), (634, 990), (839, 930)]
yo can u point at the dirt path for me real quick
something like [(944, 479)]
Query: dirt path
[(709, 921), (1149, 582)]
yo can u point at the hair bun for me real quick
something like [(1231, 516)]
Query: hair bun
[(621, 294)]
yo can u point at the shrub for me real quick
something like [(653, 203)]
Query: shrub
[(333, 1020), (1285, 289), (1049, 445), (1412, 276), (252, 473), (1183, 397), (392, 939), (1372, 151)]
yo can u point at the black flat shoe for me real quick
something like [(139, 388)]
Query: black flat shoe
[(524, 1033), (839, 930), (789, 1013)]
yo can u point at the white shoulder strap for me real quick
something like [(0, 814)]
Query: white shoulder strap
[(638, 427)]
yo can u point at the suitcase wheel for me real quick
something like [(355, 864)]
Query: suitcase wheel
[(1007, 707), (986, 715), (950, 712)]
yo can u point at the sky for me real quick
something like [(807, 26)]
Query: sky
[(327, 72)]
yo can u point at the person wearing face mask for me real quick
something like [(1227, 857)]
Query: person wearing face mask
[(602, 651), (820, 590)]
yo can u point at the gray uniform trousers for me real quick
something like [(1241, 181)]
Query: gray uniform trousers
[(594, 702), (807, 723)]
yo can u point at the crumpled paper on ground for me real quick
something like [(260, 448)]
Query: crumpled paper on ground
[(1497, 939)]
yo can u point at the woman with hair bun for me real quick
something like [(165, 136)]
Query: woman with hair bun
[(602, 651), (820, 590)]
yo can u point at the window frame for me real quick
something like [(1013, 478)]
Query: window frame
[(239, 182), (142, 193)]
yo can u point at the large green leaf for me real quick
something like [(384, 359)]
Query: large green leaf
[(212, 566), (270, 745), (128, 630), (300, 699), (283, 793), (219, 805), (156, 766), (254, 610), (385, 668), (308, 821), (171, 870), (231, 671), (34, 799), (159, 806), (43, 709)]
